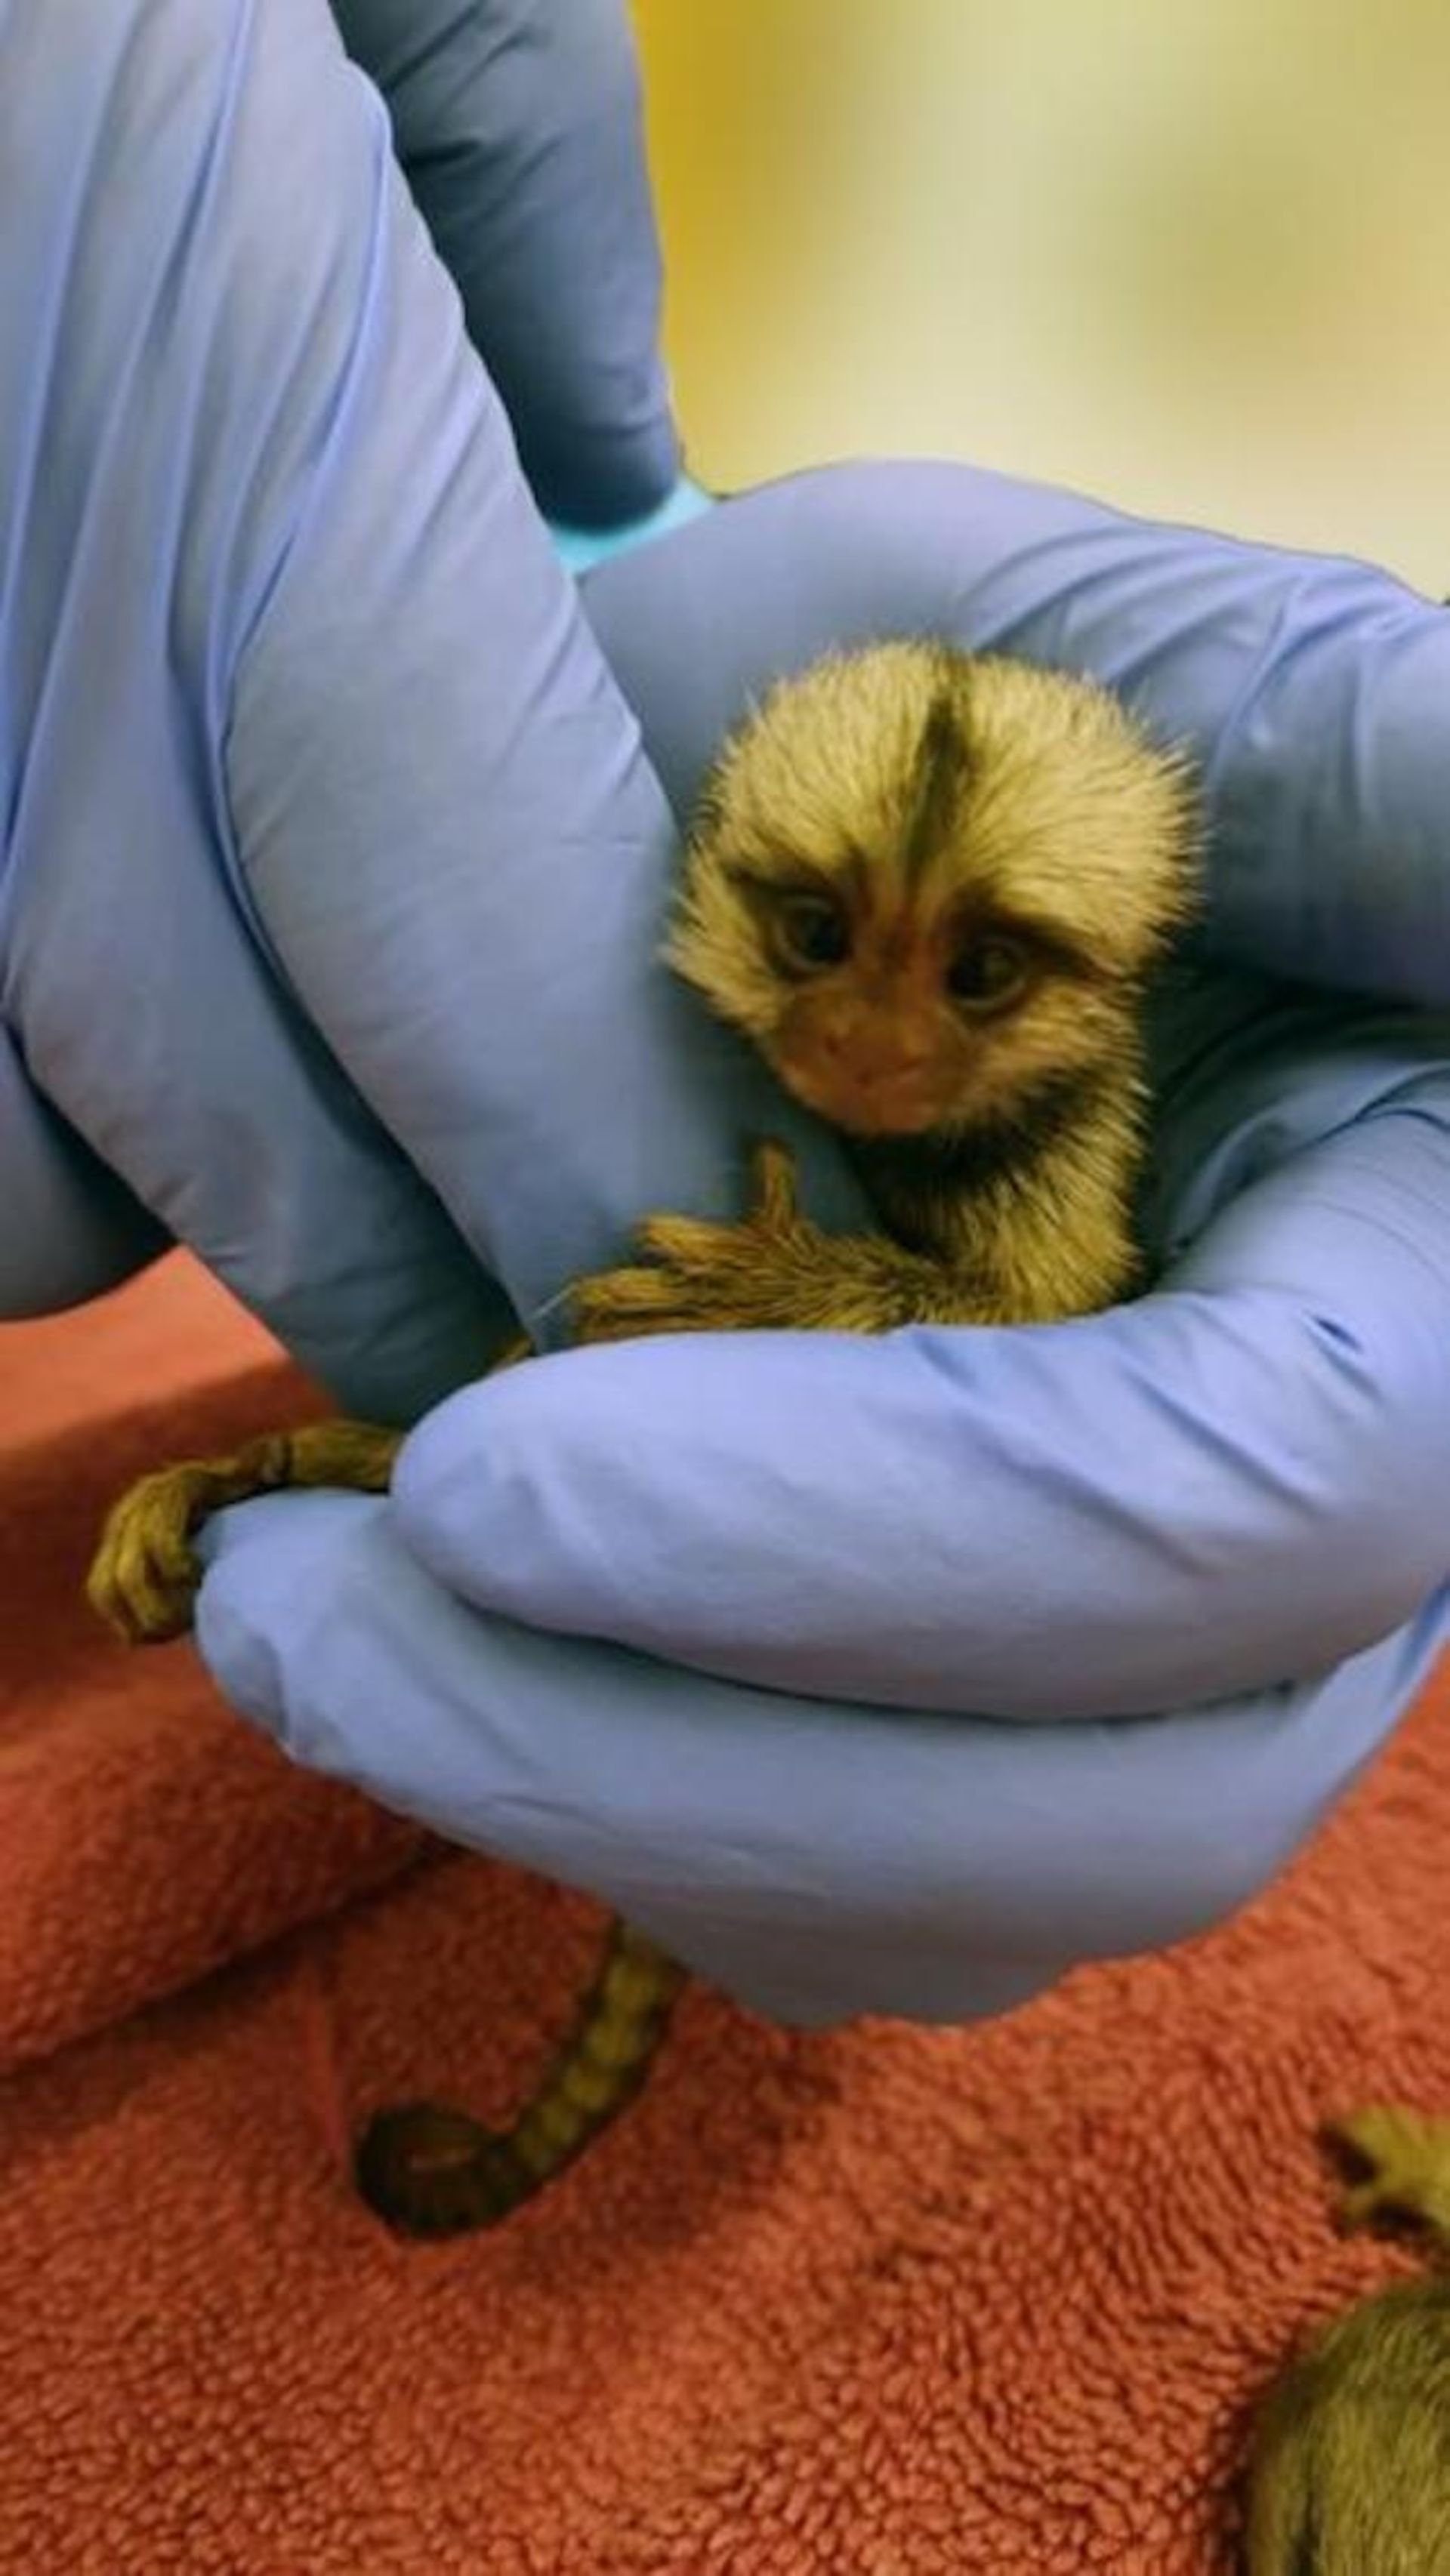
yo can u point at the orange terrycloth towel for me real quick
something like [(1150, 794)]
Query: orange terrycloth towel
[(882, 2302), (144, 1835)]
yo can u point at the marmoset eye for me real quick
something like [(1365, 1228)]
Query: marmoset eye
[(988, 974), (811, 931)]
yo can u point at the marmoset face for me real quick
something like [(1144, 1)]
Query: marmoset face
[(923, 882)]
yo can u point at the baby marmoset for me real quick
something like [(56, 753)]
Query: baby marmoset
[(929, 888)]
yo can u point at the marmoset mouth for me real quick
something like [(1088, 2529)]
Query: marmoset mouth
[(870, 1103)]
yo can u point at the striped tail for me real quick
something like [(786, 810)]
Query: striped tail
[(433, 2172)]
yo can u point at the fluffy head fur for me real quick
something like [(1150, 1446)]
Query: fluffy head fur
[(922, 882)]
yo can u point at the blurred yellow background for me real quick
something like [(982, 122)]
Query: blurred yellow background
[(1193, 258)]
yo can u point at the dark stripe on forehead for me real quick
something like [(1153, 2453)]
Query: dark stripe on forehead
[(939, 778)]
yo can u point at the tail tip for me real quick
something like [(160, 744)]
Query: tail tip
[(431, 2172)]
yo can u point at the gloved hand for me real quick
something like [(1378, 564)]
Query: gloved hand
[(279, 621), (333, 869), (1228, 1500)]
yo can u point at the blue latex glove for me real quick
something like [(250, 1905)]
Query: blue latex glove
[(1230, 1499), (277, 612)]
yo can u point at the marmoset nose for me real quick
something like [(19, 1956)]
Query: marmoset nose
[(876, 1055)]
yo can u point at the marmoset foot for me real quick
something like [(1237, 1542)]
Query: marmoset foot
[(144, 1578), (1396, 2165), (146, 1571)]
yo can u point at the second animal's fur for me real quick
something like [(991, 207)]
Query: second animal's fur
[(1349, 2473), (928, 887)]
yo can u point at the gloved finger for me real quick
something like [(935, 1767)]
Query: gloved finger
[(817, 1862), (1310, 689), (518, 124), (1241, 1478)]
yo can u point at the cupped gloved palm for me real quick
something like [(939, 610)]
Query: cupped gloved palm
[(1227, 1501)]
